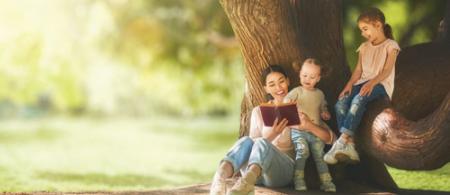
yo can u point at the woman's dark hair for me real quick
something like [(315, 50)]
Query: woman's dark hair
[(374, 14), (270, 69), (267, 71)]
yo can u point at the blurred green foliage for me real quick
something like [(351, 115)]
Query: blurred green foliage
[(147, 57)]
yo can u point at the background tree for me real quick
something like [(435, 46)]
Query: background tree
[(280, 32)]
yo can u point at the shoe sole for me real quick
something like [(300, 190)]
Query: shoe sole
[(345, 159)]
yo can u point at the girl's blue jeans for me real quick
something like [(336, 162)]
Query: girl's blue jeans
[(277, 168), (350, 108)]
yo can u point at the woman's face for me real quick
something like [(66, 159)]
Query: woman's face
[(277, 85)]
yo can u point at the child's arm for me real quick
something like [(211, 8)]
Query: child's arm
[(324, 114), (388, 66), (356, 75)]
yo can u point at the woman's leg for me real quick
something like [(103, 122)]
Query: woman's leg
[(266, 162), (234, 159)]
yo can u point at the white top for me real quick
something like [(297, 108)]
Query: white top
[(373, 58)]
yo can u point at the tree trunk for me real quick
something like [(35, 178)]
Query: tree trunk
[(280, 32), (266, 36)]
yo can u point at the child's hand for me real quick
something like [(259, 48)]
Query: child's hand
[(291, 101), (366, 89), (325, 115), (347, 90)]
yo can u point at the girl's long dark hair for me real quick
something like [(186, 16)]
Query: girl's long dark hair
[(374, 14)]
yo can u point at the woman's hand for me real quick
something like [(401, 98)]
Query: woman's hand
[(367, 88), (278, 127), (347, 90)]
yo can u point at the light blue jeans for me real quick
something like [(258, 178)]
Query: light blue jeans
[(306, 143), (350, 108), (277, 168)]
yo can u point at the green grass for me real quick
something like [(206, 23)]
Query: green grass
[(438, 179), (116, 154), (66, 154)]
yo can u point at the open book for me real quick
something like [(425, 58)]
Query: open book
[(286, 110)]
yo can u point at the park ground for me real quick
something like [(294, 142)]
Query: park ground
[(63, 154)]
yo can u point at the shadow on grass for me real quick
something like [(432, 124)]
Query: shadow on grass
[(124, 180)]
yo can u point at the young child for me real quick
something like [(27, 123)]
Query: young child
[(310, 101), (372, 78)]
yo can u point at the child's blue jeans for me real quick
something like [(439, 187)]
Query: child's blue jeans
[(350, 108), (306, 143), (277, 168)]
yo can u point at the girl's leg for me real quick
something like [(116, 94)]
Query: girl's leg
[(357, 109), (346, 151), (234, 159), (343, 104), (276, 168)]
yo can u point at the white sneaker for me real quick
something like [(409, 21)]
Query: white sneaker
[(330, 156), (327, 183), (299, 181), (347, 154), (218, 187), (242, 187)]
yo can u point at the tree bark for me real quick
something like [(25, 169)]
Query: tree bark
[(266, 36)]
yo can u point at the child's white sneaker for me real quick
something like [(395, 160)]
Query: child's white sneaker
[(327, 183), (328, 187), (299, 181)]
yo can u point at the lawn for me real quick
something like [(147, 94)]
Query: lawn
[(84, 154)]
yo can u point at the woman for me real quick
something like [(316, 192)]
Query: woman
[(268, 151)]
